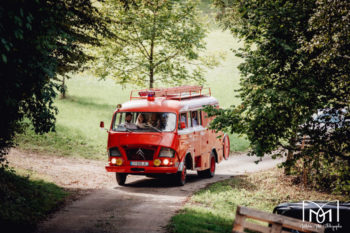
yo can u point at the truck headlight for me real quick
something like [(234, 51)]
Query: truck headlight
[(167, 152), (166, 162), (114, 152), (117, 161)]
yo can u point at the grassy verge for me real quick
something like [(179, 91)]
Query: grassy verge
[(238, 143), (77, 128), (25, 201), (213, 208), (64, 142)]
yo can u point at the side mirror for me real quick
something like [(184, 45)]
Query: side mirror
[(102, 124), (182, 125)]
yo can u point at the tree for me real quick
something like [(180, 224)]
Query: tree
[(327, 158), (273, 93), (156, 42), (40, 39), (295, 63)]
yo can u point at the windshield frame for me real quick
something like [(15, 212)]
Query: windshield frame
[(116, 117)]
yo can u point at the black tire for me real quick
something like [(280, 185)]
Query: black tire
[(210, 172), (180, 177), (121, 178)]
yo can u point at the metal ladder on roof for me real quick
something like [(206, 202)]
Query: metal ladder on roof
[(178, 93)]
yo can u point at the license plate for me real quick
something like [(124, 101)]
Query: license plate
[(137, 163)]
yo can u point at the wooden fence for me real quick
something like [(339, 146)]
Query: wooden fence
[(277, 223)]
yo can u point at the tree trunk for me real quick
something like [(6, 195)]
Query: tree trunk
[(151, 59), (151, 65), (288, 166), (288, 163), (63, 87), (151, 80), (305, 172), (305, 165), (151, 69)]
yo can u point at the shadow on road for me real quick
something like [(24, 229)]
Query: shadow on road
[(165, 181), (166, 185)]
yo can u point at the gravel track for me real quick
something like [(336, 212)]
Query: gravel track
[(101, 206)]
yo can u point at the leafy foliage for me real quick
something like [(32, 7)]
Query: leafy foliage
[(272, 91), (295, 64), (156, 42), (327, 155), (39, 39)]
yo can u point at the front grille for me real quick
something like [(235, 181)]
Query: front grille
[(139, 153)]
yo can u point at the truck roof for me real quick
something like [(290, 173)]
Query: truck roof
[(163, 104), (174, 99)]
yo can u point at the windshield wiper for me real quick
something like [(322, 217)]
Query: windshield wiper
[(120, 128), (150, 126)]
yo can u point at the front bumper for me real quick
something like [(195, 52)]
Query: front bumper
[(141, 169)]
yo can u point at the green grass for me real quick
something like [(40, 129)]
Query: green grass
[(213, 209), (238, 143), (26, 201), (224, 79), (91, 100)]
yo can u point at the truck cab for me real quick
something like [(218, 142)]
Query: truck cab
[(165, 132)]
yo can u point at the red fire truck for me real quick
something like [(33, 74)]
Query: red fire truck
[(165, 131)]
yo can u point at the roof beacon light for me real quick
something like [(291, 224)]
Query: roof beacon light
[(150, 95), (143, 93)]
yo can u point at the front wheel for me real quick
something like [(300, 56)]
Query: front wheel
[(210, 172), (121, 178)]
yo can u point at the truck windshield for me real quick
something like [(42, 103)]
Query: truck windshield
[(144, 122)]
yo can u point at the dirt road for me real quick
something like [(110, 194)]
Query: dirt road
[(143, 205)]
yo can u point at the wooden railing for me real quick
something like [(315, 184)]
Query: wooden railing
[(277, 223)]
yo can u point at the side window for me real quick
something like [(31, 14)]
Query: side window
[(200, 117), (189, 119), (183, 118), (194, 118)]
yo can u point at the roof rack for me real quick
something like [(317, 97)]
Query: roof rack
[(178, 93)]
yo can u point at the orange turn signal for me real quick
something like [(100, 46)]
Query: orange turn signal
[(119, 161), (157, 162)]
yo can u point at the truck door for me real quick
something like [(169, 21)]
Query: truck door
[(205, 148), (184, 139), (196, 137)]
